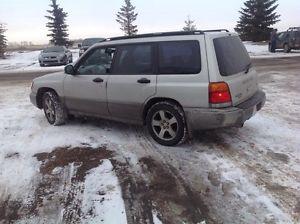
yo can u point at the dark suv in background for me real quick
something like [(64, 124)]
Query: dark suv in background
[(86, 43), (288, 40)]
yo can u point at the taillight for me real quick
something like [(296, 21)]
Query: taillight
[(219, 92)]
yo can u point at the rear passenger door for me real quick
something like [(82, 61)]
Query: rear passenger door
[(132, 81), (182, 72)]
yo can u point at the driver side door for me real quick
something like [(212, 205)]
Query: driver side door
[(85, 92)]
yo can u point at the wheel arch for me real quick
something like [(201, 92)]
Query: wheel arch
[(40, 93), (155, 100)]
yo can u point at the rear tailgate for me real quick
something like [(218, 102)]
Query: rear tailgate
[(235, 68)]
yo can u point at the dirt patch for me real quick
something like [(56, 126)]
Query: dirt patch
[(159, 189), (86, 158), (60, 186)]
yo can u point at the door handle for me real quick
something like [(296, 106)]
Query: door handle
[(98, 80), (143, 81)]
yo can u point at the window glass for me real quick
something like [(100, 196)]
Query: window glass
[(134, 59), (179, 57), (231, 54), (97, 63)]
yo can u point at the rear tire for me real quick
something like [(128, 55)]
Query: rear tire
[(286, 48), (53, 109), (166, 123)]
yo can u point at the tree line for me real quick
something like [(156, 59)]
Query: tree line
[(255, 23)]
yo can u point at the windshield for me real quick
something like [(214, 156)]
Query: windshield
[(54, 49), (232, 55), (91, 41)]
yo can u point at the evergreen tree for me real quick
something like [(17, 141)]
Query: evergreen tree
[(256, 19), (126, 17), (189, 25), (3, 43), (57, 25)]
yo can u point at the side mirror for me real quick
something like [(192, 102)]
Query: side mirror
[(79, 45), (69, 69)]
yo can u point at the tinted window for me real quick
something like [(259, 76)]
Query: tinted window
[(232, 55), (54, 49), (98, 62), (134, 59), (179, 57), (91, 41)]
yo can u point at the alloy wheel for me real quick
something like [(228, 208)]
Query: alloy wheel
[(164, 125)]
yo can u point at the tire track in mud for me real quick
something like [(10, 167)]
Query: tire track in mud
[(184, 204), (158, 190)]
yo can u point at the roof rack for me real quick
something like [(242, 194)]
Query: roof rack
[(163, 34), (294, 28)]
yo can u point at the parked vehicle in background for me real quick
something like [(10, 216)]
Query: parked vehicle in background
[(86, 43), (170, 82), (56, 55), (288, 40)]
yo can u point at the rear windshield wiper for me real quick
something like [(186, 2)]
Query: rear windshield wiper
[(247, 68)]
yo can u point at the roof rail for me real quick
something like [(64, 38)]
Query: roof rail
[(163, 34), (218, 30)]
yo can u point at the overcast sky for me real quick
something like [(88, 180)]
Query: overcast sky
[(25, 20)]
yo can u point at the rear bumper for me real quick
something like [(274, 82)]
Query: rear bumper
[(208, 118)]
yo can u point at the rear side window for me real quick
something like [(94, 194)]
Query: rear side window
[(232, 55), (134, 59), (179, 57)]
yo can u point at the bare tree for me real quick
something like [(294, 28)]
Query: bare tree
[(126, 17)]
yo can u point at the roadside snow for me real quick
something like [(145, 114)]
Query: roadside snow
[(28, 61), (261, 50)]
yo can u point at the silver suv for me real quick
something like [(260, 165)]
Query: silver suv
[(171, 82)]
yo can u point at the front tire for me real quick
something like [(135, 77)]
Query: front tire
[(166, 123), (53, 109)]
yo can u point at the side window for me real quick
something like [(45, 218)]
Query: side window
[(97, 63), (179, 57), (134, 59)]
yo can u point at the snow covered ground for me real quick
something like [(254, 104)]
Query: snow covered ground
[(95, 171), (28, 61)]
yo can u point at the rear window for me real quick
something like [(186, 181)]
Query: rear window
[(231, 54), (179, 57), (54, 49)]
